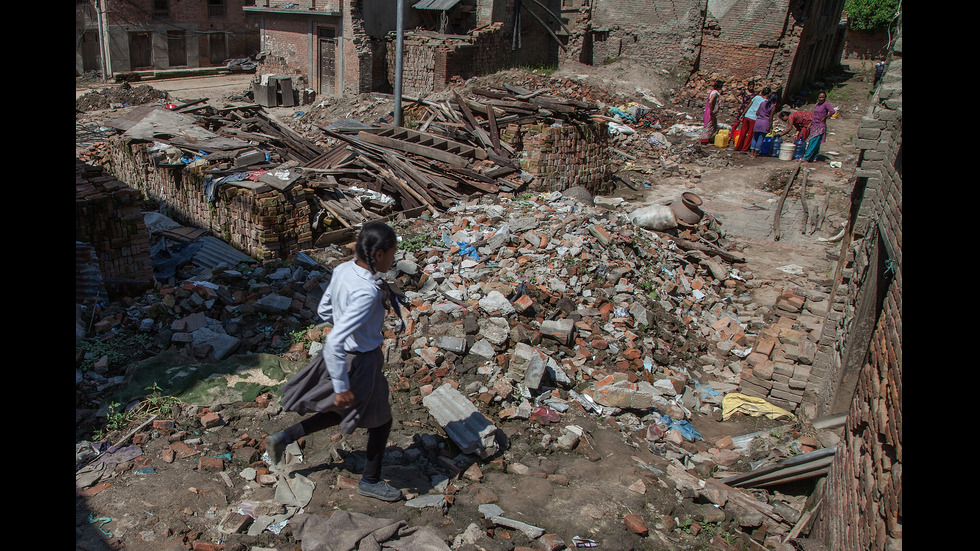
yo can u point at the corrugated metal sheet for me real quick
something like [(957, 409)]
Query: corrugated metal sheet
[(215, 251), (438, 5), (463, 423)]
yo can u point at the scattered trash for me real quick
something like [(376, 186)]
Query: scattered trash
[(102, 521), (584, 542)]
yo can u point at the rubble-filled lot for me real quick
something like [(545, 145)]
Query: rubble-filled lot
[(598, 352)]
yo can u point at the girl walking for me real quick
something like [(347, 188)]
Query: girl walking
[(345, 384)]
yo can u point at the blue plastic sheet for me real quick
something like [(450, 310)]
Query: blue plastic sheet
[(706, 391), (466, 249), (683, 427)]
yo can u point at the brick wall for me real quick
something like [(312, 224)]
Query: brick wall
[(287, 42), (238, 34), (561, 157), (264, 223), (862, 341), (108, 215), (662, 33), (866, 45), (786, 41), (289, 37)]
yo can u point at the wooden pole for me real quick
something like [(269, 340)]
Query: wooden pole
[(779, 206)]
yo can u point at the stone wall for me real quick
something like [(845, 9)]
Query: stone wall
[(259, 220), (108, 216), (561, 157), (862, 340)]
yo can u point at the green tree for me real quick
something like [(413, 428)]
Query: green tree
[(871, 15)]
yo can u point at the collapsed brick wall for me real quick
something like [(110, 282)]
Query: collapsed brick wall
[(108, 216), (562, 157), (432, 62), (781, 367), (862, 341), (264, 223)]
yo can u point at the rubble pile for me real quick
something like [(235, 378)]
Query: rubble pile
[(119, 96), (537, 301), (535, 317), (536, 311)]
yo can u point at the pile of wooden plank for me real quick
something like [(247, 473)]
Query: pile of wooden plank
[(453, 153)]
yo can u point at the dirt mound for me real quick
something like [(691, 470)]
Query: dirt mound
[(122, 95)]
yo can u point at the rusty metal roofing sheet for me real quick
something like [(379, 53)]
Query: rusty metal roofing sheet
[(215, 251), (438, 5)]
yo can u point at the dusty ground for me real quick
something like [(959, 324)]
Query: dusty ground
[(583, 492)]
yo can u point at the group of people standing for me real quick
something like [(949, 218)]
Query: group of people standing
[(755, 120)]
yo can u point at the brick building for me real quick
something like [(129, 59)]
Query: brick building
[(789, 42), (861, 345), (338, 47), (160, 34)]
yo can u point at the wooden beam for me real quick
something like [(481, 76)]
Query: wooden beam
[(415, 149)]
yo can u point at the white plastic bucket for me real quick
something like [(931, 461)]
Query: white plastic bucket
[(786, 151)]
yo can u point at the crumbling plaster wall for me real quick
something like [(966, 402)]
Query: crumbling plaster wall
[(862, 341), (785, 41), (664, 34), (432, 61), (291, 43), (746, 37)]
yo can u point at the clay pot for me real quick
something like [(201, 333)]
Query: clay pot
[(688, 209)]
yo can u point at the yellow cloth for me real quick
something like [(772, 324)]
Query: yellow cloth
[(740, 403)]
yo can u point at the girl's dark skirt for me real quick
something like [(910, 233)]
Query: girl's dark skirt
[(311, 391)]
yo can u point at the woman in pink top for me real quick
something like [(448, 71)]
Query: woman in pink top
[(818, 127), (711, 108)]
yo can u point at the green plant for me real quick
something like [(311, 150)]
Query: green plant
[(119, 349), (871, 15), (545, 70), (709, 529), (415, 243), (838, 95), (300, 334), (155, 404)]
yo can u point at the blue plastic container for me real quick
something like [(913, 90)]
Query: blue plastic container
[(765, 149), (800, 149), (777, 142)]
